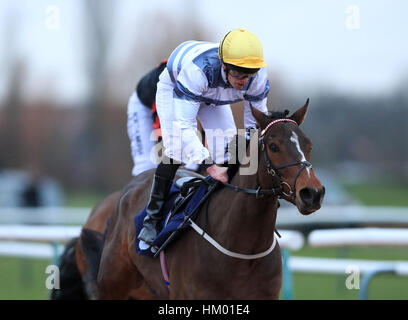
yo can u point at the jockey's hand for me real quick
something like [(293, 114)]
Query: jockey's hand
[(218, 173)]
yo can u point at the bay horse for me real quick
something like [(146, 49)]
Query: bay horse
[(241, 219), (79, 262)]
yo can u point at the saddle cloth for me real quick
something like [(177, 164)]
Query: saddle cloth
[(167, 227)]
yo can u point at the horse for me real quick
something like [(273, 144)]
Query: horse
[(79, 262), (240, 216), (243, 222)]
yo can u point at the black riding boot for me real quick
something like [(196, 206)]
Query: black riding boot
[(160, 189)]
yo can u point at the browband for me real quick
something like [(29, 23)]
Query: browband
[(276, 121)]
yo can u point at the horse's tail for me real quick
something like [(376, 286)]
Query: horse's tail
[(71, 287), (92, 245)]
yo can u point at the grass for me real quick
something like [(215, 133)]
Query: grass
[(83, 199), (332, 287), (380, 193), (25, 279), (323, 287)]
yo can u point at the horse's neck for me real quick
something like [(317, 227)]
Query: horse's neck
[(244, 223)]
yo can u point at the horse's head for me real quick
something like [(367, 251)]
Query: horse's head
[(284, 159)]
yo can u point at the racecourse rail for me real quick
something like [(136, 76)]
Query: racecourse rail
[(288, 217), (41, 233)]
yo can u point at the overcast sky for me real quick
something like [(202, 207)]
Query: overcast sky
[(346, 46)]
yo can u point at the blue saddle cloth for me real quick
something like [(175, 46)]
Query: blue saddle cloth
[(165, 226)]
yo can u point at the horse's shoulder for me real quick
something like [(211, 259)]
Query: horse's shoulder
[(135, 193)]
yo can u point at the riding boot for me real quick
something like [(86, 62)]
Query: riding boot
[(160, 189)]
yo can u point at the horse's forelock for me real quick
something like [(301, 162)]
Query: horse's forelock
[(273, 115)]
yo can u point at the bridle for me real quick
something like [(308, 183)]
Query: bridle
[(273, 170)]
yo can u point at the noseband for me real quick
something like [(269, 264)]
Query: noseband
[(273, 170)]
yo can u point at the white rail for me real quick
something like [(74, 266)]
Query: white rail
[(340, 266), (292, 240), (287, 216), (359, 237), (44, 216), (38, 233), (27, 250), (336, 216)]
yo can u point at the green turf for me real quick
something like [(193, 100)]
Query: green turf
[(322, 287), (380, 194), (23, 279), (332, 287), (83, 199)]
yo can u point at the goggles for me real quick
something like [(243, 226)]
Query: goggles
[(239, 75)]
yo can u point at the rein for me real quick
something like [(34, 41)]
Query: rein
[(273, 170), (259, 193)]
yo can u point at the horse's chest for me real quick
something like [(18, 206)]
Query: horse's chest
[(233, 282)]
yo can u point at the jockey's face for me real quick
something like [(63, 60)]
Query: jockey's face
[(237, 83), (237, 79)]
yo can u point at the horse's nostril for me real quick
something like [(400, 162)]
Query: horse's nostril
[(306, 194), (311, 197)]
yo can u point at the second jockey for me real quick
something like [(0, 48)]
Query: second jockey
[(201, 80)]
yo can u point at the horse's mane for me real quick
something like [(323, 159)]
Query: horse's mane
[(271, 115)]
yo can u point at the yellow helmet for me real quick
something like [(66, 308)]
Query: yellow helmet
[(241, 48)]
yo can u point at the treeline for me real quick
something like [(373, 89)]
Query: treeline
[(51, 141), (371, 132)]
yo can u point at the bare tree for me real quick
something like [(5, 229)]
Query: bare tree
[(10, 132), (98, 19), (154, 36)]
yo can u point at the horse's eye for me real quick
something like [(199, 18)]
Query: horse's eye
[(273, 147)]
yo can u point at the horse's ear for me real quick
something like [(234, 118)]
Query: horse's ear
[(260, 117), (300, 115)]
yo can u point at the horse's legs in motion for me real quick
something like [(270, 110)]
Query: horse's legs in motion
[(71, 286)]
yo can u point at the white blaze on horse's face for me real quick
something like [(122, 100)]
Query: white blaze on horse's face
[(295, 139)]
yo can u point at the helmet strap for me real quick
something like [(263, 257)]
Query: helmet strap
[(226, 72)]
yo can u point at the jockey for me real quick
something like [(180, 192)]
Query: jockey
[(202, 79), (143, 119)]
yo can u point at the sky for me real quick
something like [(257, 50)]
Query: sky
[(351, 47)]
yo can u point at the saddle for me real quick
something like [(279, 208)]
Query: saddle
[(185, 198)]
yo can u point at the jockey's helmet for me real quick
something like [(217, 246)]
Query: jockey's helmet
[(241, 48)]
